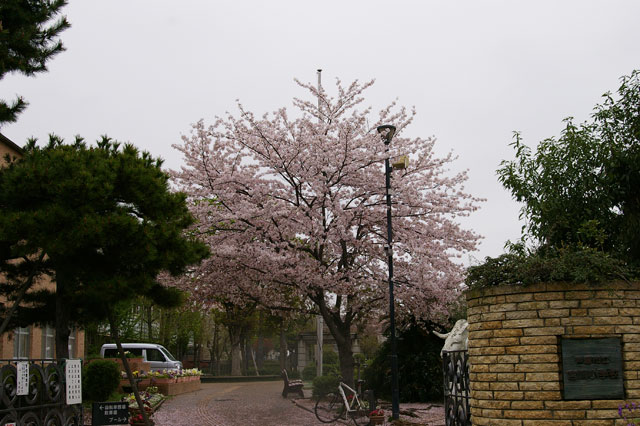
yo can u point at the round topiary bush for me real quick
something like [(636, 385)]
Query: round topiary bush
[(100, 379)]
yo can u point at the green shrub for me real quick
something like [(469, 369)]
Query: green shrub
[(293, 374), (419, 367), (548, 264), (330, 365), (309, 372), (331, 370), (269, 368), (325, 384), (100, 379), (329, 356)]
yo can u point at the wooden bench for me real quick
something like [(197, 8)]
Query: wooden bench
[(291, 385)]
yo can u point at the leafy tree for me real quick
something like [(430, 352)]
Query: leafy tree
[(28, 39), (580, 190), (101, 221), (296, 211)]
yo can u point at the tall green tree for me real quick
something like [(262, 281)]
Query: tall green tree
[(100, 220), (580, 190), (29, 37)]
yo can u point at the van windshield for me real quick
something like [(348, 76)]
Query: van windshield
[(166, 353)]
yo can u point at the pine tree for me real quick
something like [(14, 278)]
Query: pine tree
[(101, 221), (28, 39)]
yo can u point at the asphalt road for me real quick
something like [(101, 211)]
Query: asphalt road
[(235, 404)]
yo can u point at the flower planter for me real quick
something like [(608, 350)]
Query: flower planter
[(376, 420), (163, 380)]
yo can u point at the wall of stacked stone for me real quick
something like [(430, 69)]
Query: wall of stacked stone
[(514, 351)]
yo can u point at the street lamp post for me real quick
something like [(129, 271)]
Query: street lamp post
[(387, 132)]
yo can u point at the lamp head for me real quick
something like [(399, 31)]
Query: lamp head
[(386, 131)]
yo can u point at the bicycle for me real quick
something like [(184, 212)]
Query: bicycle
[(333, 406)]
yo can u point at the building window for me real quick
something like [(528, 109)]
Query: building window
[(72, 344), (21, 343), (48, 342)]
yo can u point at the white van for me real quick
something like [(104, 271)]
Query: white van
[(157, 356)]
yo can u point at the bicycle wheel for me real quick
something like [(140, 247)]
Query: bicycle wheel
[(329, 408)]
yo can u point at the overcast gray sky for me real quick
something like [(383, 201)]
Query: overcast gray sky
[(143, 71)]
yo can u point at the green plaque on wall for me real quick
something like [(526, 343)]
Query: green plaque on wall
[(592, 368)]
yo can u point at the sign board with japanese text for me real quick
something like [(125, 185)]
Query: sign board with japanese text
[(592, 368), (22, 370), (73, 377), (110, 413)]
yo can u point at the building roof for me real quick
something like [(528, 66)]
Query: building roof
[(5, 140)]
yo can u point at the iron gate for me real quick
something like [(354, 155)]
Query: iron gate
[(45, 402), (456, 388)]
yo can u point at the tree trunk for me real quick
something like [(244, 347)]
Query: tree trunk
[(347, 364), (246, 348), (259, 358), (260, 351), (150, 323), (283, 347), (196, 354), (63, 330), (127, 368), (236, 358), (339, 324), (213, 350)]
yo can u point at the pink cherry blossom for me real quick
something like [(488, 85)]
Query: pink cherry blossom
[(294, 212)]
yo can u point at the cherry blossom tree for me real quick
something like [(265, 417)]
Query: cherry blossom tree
[(294, 212)]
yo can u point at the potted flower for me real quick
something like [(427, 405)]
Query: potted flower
[(138, 420), (376, 417)]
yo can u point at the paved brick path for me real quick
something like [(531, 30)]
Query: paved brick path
[(231, 404)]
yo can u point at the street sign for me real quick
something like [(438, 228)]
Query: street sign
[(110, 413)]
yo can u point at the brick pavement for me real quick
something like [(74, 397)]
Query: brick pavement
[(231, 404)]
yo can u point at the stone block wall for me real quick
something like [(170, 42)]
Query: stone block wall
[(515, 356)]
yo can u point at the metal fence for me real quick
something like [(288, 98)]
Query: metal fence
[(456, 388), (45, 401)]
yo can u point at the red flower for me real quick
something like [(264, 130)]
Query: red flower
[(136, 419)]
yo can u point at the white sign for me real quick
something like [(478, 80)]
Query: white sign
[(22, 368), (73, 374)]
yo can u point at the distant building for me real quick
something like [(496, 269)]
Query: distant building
[(307, 352), (33, 342), (8, 147)]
